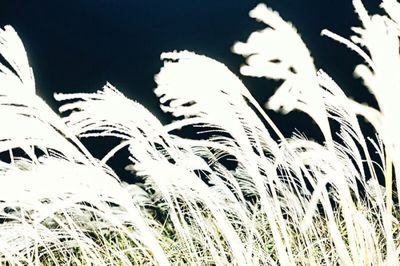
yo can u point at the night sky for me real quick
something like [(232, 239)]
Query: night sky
[(77, 46)]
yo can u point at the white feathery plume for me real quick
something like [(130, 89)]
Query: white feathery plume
[(21, 108), (167, 168), (54, 188), (278, 52), (379, 35), (206, 92), (13, 51)]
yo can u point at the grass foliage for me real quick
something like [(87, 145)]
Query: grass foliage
[(238, 191)]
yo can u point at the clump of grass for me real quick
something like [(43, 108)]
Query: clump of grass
[(284, 200)]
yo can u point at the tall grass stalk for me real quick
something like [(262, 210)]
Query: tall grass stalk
[(236, 192)]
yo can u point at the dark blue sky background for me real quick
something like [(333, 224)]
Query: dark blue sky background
[(79, 45)]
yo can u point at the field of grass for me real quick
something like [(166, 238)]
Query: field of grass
[(237, 192)]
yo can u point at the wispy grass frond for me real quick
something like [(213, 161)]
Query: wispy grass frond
[(379, 36), (278, 52), (56, 202)]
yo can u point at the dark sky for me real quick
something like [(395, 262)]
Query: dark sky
[(79, 45)]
